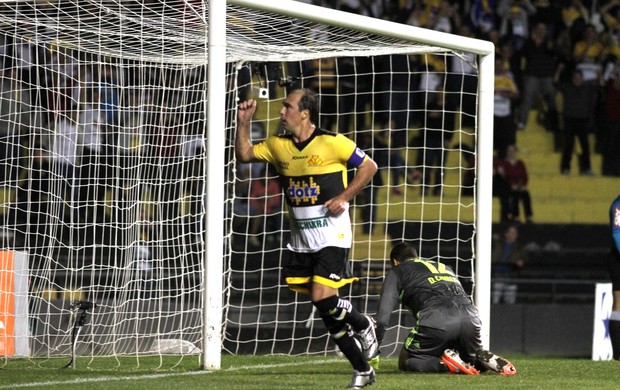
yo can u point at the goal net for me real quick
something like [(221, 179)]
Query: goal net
[(111, 165)]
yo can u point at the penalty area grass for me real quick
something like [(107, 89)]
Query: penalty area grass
[(295, 372)]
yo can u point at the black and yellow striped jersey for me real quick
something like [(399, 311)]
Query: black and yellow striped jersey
[(312, 172)]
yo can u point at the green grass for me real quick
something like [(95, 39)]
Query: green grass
[(287, 372)]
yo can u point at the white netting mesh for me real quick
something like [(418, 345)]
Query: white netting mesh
[(103, 160)]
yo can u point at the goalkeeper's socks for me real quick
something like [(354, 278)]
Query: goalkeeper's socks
[(614, 333)]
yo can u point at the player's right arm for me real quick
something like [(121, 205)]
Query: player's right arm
[(388, 300), (243, 144)]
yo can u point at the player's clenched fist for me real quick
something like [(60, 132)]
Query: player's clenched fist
[(246, 110)]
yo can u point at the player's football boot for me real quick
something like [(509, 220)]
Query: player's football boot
[(495, 363), (456, 365), (368, 338), (362, 378)]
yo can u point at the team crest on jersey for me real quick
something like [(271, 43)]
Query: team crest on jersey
[(303, 192), (617, 216), (315, 161)]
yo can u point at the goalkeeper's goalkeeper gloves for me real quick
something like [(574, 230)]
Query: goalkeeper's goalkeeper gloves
[(374, 361)]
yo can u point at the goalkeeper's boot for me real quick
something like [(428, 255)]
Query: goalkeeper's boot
[(496, 363), (368, 338), (456, 365), (362, 378)]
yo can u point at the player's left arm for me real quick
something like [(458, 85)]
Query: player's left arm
[(363, 175)]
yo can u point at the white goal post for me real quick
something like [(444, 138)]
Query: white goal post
[(142, 234), (431, 40)]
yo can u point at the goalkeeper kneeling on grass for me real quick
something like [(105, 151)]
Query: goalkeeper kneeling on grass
[(446, 337)]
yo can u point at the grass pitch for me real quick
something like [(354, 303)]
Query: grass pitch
[(293, 372)]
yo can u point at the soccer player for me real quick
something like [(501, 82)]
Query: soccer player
[(614, 271), (446, 337), (312, 166)]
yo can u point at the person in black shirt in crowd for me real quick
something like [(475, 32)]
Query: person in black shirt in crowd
[(578, 111), (540, 58)]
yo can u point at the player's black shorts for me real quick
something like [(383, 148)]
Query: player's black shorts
[(329, 266), (614, 269)]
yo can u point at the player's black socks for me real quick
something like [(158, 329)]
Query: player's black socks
[(352, 351), (342, 310), (336, 314)]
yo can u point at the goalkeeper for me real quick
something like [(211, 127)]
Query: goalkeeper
[(312, 165), (446, 337)]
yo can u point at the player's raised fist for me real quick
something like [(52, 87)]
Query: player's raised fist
[(246, 110)]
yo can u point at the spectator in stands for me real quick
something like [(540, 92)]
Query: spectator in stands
[(376, 146), (323, 80), (540, 60), (515, 174), (64, 153), (356, 86), (441, 16), (166, 156), (501, 189), (515, 15), (12, 113), (431, 77), (34, 199), (17, 121), (610, 13), (614, 271), (91, 127), (588, 56), (611, 129), (265, 206), (577, 114), (462, 83), (109, 93), (392, 86), (550, 14), (507, 257), (483, 16), (437, 134), (573, 11), (371, 8), (506, 92)]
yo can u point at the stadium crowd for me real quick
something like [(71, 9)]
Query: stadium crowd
[(559, 59), (545, 50), (541, 47)]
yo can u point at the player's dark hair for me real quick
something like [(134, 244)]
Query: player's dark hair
[(310, 101), (403, 251)]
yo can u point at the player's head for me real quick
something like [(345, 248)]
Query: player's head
[(309, 100), (402, 252)]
